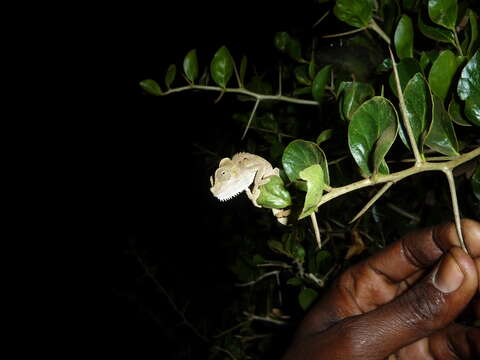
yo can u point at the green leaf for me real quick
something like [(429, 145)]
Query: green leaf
[(476, 182), (221, 67), (472, 109), (294, 49), (273, 194), (276, 246), (301, 154), (294, 281), (357, 13), (324, 136), (151, 87), (455, 113), (469, 82), (313, 175), (403, 37), (170, 75), (417, 103), (443, 12), (371, 133), (435, 33), (281, 41), (473, 25), (441, 135), (190, 65), (442, 72), (306, 298), (320, 81), (406, 69), (301, 74), (354, 95)]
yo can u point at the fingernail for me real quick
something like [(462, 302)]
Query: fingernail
[(449, 277)]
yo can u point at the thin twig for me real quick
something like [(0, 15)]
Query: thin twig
[(372, 201), (260, 278), (404, 114), (456, 211), (316, 230), (169, 299), (251, 118)]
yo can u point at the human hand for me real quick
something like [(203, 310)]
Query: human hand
[(401, 302)]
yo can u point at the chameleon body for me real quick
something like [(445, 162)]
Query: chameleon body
[(237, 174)]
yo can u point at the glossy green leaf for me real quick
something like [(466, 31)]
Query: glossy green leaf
[(320, 81), (357, 13), (403, 38), (476, 182), (273, 194), (190, 65), (455, 112), (354, 94), (417, 104), (442, 73), (441, 135), (443, 12), (170, 75), (469, 82), (301, 74), (406, 69), (436, 33), (313, 175), (371, 133), (473, 26), (307, 297), (301, 154), (221, 67), (324, 136), (151, 87), (472, 109)]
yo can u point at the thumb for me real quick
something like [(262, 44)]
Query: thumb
[(430, 305)]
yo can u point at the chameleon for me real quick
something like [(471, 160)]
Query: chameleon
[(237, 174)]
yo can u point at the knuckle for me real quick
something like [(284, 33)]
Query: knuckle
[(421, 306)]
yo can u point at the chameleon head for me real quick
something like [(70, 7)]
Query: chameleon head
[(230, 180)]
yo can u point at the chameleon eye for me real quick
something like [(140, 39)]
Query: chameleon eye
[(222, 174)]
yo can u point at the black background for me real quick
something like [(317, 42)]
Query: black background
[(160, 189)]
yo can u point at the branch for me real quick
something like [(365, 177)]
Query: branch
[(242, 91), (395, 177)]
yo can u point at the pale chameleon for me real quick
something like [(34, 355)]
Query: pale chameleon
[(235, 175)]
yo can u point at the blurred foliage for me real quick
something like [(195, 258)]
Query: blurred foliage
[(328, 116)]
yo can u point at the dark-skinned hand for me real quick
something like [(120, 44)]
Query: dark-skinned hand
[(401, 303)]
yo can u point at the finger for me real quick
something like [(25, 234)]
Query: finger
[(430, 305), (453, 342), (387, 274), (420, 250)]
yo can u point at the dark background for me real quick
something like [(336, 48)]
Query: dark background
[(161, 183)]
